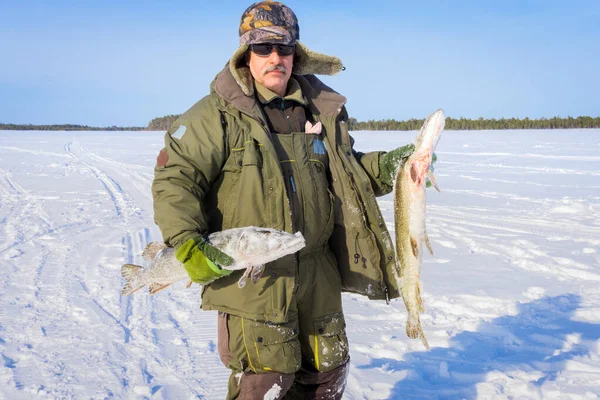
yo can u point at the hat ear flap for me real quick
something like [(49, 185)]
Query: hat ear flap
[(238, 67), (308, 62)]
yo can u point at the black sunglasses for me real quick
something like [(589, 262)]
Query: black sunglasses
[(265, 49)]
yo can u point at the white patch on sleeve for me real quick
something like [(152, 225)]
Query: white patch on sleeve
[(273, 393), (178, 134)]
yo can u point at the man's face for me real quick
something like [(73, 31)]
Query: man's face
[(272, 71)]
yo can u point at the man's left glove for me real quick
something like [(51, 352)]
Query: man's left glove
[(202, 261), (391, 161)]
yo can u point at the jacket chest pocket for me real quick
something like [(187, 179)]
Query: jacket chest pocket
[(249, 155), (320, 199), (243, 193), (316, 149), (318, 160)]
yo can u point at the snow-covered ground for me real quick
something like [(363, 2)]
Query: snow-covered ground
[(513, 306)]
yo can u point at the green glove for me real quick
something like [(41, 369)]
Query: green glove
[(394, 159), (391, 161), (202, 260)]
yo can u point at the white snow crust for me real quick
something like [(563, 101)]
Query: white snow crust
[(511, 295)]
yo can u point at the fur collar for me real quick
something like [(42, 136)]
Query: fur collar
[(306, 62)]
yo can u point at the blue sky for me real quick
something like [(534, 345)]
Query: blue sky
[(108, 63)]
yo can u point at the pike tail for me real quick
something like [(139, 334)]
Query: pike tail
[(414, 331), (131, 273)]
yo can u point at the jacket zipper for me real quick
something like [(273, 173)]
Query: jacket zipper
[(282, 109), (264, 126)]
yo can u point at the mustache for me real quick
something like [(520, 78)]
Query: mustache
[(272, 68)]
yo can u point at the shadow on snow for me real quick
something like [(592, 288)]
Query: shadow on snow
[(535, 340)]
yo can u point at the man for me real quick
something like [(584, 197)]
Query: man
[(269, 147)]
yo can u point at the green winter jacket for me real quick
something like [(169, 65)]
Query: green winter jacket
[(219, 170)]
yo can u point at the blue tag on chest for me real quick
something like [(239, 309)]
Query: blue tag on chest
[(319, 147)]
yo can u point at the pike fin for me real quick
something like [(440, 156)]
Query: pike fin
[(152, 250), (427, 243), (189, 284), (424, 340), (415, 247), (244, 278), (257, 272), (156, 287), (130, 273), (433, 180), (420, 298)]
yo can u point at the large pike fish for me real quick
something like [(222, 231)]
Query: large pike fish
[(409, 216), (250, 247)]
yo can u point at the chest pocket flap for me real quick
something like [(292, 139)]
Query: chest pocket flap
[(248, 155)]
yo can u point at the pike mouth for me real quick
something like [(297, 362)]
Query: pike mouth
[(298, 242)]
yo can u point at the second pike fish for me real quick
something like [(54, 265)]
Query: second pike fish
[(409, 217), (250, 247)]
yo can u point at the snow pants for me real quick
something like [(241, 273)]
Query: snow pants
[(303, 358)]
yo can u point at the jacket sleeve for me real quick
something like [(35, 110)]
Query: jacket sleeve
[(194, 153), (370, 164)]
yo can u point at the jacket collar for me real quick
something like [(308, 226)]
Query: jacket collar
[(322, 100), (294, 93)]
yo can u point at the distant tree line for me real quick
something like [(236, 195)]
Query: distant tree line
[(66, 127), (477, 124), (164, 123)]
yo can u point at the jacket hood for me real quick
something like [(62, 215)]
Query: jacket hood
[(235, 84)]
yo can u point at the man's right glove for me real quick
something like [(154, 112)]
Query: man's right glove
[(202, 261)]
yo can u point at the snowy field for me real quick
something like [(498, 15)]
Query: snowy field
[(512, 299)]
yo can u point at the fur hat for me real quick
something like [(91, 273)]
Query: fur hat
[(274, 22)]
